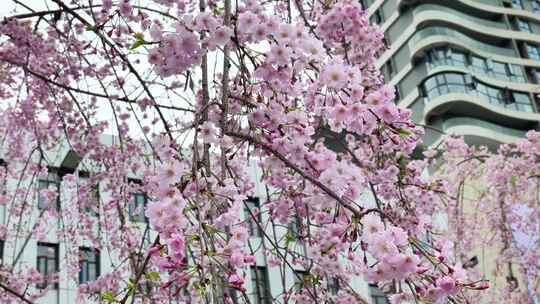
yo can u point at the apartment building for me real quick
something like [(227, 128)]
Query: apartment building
[(466, 67), (48, 253)]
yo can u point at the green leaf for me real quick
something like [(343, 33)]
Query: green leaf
[(108, 296), (153, 275), (289, 237), (201, 289), (131, 286), (139, 40), (138, 36), (513, 180), (403, 132), (135, 45), (89, 28)]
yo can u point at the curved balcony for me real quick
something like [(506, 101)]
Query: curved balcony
[(464, 104), (447, 9), (482, 78), (493, 9), (486, 29), (444, 34), (462, 95), (431, 15), (427, 38), (479, 132), (475, 8), (467, 126), (482, 133)]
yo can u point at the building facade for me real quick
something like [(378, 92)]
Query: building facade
[(48, 253), (466, 67)]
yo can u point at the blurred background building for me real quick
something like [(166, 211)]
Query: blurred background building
[(468, 67)]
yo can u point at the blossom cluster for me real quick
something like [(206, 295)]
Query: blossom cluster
[(257, 99)]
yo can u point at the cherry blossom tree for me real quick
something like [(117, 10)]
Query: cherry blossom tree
[(492, 201), (201, 94)]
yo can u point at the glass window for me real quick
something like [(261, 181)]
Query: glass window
[(516, 73), (259, 282), (377, 295), (536, 73), (440, 79), (445, 83), (481, 89), (523, 26), (51, 180), (495, 96), (47, 262), (137, 206), (3, 176), (295, 226), (333, 285), (377, 18), (452, 78), (431, 83), (252, 209), (454, 84), (499, 70), (459, 58), (524, 107), (390, 68), (88, 194), (2, 244), (536, 6), (478, 65), (517, 4), (523, 102), (533, 52), (397, 92), (89, 264)]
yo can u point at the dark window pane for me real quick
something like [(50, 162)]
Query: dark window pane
[(47, 262), (137, 206), (536, 6), (377, 295), (52, 179), (252, 209), (89, 264), (260, 285), (517, 4)]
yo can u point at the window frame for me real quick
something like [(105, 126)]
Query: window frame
[(53, 178), (134, 203), (55, 260), (85, 264), (500, 97), (535, 6), (333, 285), (260, 296), (138, 198), (254, 230), (377, 295), (85, 179), (523, 25), (2, 249), (517, 4), (535, 55)]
